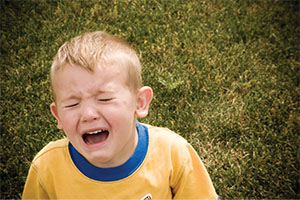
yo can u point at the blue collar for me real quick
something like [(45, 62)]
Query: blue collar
[(115, 173)]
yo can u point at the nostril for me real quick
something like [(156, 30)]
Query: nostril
[(90, 119)]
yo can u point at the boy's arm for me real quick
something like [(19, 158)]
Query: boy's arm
[(193, 181), (33, 189)]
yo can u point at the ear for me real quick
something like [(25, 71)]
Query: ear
[(144, 98), (54, 112)]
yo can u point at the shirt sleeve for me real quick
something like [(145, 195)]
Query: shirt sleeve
[(193, 181), (33, 188)]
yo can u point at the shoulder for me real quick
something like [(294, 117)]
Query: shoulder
[(171, 149), (51, 149), (165, 135), (167, 141)]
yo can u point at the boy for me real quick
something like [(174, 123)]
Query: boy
[(98, 96)]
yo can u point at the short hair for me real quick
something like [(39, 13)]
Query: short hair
[(93, 48)]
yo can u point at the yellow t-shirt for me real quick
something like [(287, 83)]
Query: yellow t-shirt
[(163, 166)]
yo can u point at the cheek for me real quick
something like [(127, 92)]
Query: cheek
[(129, 107), (69, 121), (121, 112), (130, 101)]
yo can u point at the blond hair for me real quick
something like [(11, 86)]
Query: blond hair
[(91, 49)]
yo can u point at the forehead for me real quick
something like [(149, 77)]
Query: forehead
[(103, 71), (73, 78)]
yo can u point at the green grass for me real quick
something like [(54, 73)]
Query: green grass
[(225, 76)]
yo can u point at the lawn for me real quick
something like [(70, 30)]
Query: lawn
[(225, 76)]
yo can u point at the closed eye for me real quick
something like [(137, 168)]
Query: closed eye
[(105, 100), (71, 105)]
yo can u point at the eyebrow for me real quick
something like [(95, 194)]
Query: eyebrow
[(71, 97), (103, 91), (76, 97)]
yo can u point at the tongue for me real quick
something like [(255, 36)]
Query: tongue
[(95, 138)]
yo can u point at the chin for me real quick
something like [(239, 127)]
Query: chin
[(103, 161)]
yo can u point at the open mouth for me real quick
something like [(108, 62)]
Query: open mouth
[(95, 137)]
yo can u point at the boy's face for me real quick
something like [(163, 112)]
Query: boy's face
[(97, 112)]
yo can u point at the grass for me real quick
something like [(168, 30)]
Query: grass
[(225, 76)]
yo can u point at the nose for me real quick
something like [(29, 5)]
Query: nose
[(89, 113)]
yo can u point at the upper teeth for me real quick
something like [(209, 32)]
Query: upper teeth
[(95, 132)]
